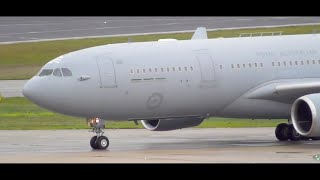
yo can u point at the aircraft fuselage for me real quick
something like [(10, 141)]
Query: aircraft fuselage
[(151, 80)]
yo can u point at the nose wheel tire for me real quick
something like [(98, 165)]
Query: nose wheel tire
[(101, 142), (93, 143)]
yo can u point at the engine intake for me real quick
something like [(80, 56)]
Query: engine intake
[(171, 123), (305, 115)]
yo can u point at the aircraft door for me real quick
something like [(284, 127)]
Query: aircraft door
[(106, 72), (206, 66)]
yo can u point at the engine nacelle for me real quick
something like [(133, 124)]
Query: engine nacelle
[(171, 124), (305, 115)]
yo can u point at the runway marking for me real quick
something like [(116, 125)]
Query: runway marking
[(27, 38), (280, 17), (245, 19), (30, 24), (257, 145)]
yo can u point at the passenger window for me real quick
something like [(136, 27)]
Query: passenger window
[(155, 70), (313, 61), (46, 72), (185, 68), (290, 63), (162, 70), (173, 69), (191, 68), (319, 61), (301, 62), (150, 70), (180, 69), (138, 71), (238, 65), (232, 66), (168, 69), (307, 61), (57, 72), (144, 70), (279, 63), (272, 63), (255, 64), (244, 65), (131, 71), (296, 62), (284, 63), (261, 64), (249, 65), (66, 72)]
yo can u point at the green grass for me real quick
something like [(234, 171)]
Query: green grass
[(21, 114), (23, 60)]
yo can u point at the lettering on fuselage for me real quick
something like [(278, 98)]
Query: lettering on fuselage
[(297, 52)]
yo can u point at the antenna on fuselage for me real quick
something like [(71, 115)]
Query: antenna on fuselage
[(200, 33)]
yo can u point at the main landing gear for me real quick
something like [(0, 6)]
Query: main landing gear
[(285, 132), (99, 141)]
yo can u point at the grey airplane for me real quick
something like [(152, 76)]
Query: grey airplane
[(171, 84)]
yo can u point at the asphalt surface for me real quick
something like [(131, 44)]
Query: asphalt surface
[(39, 28), (11, 88), (230, 145)]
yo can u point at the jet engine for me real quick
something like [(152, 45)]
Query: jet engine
[(305, 115), (171, 123)]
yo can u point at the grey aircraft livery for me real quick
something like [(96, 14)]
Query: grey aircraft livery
[(171, 84)]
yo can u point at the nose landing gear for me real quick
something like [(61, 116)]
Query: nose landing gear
[(99, 141)]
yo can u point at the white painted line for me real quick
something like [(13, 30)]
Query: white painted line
[(243, 19), (30, 24), (280, 17), (167, 32)]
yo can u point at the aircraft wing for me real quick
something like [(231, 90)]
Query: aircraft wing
[(201, 33), (286, 91)]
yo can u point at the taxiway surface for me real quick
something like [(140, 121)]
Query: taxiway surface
[(216, 145)]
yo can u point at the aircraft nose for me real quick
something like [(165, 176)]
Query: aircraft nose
[(28, 90)]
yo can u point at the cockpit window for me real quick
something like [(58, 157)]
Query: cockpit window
[(66, 72), (57, 72), (46, 72)]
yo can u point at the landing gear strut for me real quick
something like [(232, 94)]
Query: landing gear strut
[(99, 141)]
